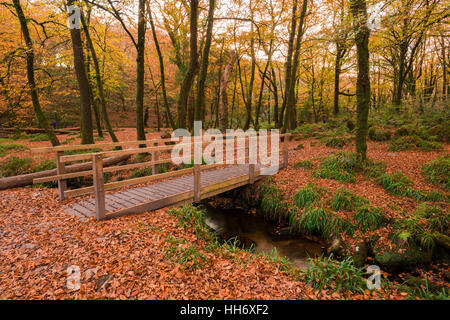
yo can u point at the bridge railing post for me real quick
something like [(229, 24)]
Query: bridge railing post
[(99, 188), (251, 173), (155, 156), (60, 169), (286, 149), (197, 184)]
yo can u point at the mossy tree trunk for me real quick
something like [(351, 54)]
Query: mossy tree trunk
[(193, 66), (362, 32), (87, 136), (42, 120), (290, 121), (199, 110), (98, 79), (140, 71)]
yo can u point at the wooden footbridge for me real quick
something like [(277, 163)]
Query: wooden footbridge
[(158, 190)]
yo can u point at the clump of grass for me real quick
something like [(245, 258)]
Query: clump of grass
[(141, 172), (4, 148), (307, 195), (373, 169), (403, 143), (396, 183), (39, 137), (184, 253), (272, 201), (305, 164), (317, 220), (346, 200), (438, 219), (15, 166), (327, 273), (340, 166), (379, 134), (19, 136), (81, 151), (189, 215), (45, 165), (438, 171), (299, 147), (425, 291), (335, 141), (281, 262), (369, 218), (68, 140)]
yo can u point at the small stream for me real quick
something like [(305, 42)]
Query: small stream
[(264, 235)]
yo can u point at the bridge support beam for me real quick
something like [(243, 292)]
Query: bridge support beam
[(197, 185), (60, 169), (99, 188)]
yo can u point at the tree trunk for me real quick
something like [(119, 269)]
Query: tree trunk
[(290, 122), (223, 92), (362, 32), (193, 66), (87, 136), (42, 120), (98, 80), (140, 72), (162, 73), (199, 110)]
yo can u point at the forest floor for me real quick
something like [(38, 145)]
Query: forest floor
[(125, 258)]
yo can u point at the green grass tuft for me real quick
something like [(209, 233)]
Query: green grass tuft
[(307, 195), (369, 218), (438, 171), (346, 200), (327, 273)]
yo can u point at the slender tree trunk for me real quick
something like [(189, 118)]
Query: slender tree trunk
[(337, 73), (288, 64), (98, 121), (261, 91), (42, 120), (223, 92), (249, 119), (98, 80), (290, 121), (199, 110), (140, 71), (162, 72), (275, 96), (87, 136), (362, 33), (193, 66)]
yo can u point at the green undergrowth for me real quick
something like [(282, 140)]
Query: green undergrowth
[(305, 164), (307, 195), (379, 134), (437, 171), (15, 166), (413, 143), (184, 253), (340, 166), (346, 200), (327, 273), (4, 148)]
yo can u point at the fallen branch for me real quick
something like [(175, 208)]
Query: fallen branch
[(27, 179)]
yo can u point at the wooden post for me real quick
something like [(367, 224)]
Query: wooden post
[(197, 184), (99, 189), (251, 173), (155, 156), (286, 149), (60, 169)]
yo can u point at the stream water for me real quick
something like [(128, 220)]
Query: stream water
[(264, 235)]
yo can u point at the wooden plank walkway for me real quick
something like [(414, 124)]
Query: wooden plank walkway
[(172, 192)]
